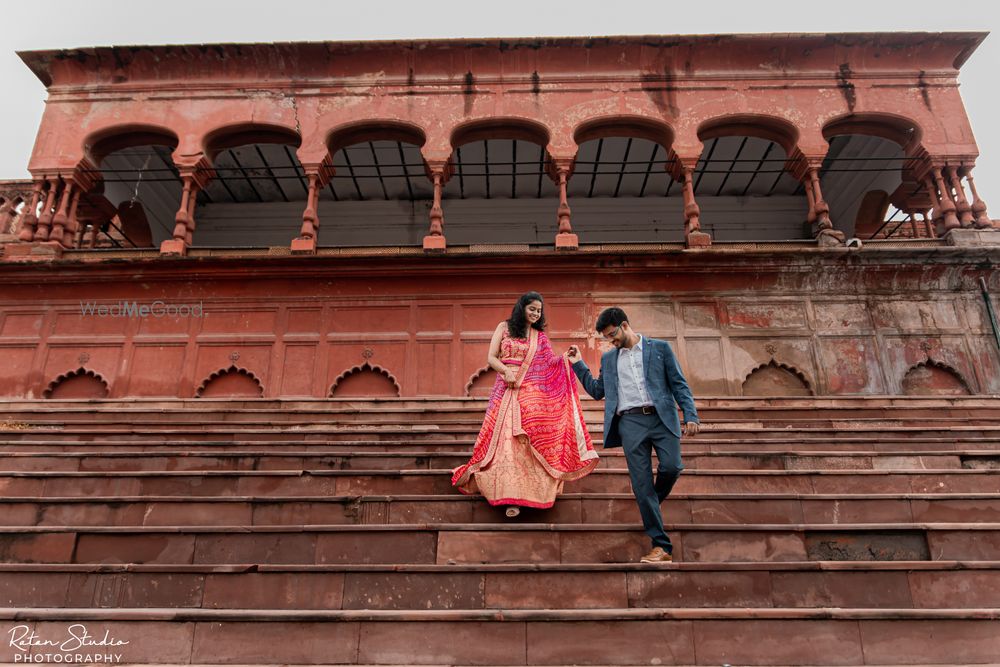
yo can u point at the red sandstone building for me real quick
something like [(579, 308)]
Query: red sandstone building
[(796, 214), (357, 216)]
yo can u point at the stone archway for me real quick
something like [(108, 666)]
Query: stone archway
[(481, 383), (231, 382), (776, 379), (931, 378), (81, 383), (365, 381)]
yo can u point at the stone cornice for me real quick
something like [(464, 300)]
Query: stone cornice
[(664, 58)]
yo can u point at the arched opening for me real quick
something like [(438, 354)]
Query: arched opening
[(501, 189), (78, 384), (232, 382), (774, 379), (481, 384), (380, 193), (136, 197), (620, 190), (365, 381), (931, 378), (868, 181), (258, 192), (12, 204), (742, 183)]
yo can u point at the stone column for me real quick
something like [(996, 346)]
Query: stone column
[(565, 238), (319, 174), (962, 207), (76, 184), (438, 172), (683, 168), (29, 219), (195, 177), (946, 220), (72, 234), (61, 217), (826, 235), (182, 219), (45, 218), (980, 218)]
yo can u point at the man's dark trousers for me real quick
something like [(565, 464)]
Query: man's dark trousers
[(640, 435)]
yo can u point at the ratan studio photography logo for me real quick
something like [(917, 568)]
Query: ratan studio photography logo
[(76, 647), (136, 309)]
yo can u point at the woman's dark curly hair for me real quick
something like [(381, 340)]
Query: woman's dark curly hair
[(517, 324)]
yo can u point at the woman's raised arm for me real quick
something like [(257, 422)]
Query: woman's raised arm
[(493, 356)]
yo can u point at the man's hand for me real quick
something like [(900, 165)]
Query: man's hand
[(691, 428), (573, 354)]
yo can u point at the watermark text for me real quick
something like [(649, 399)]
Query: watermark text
[(77, 646), (136, 309)]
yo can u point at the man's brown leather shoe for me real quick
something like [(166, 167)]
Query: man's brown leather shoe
[(657, 555)]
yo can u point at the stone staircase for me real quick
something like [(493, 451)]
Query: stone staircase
[(813, 531)]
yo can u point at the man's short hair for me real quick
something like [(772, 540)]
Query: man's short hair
[(613, 316)]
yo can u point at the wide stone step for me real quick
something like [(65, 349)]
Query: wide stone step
[(696, 445), (474, 543), (410, 482), (261, 459), (872, 585), (416, 432), (118, 421), (536, 637), (931, 406), (680, 508)]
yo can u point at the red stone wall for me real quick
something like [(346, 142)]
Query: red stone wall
[(833, 324)]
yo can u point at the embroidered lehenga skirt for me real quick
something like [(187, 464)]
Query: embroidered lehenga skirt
[(533, 437)]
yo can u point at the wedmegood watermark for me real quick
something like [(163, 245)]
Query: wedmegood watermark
[(76, 647), (136, 309)]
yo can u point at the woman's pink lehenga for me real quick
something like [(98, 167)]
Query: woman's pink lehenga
[(533, 437)]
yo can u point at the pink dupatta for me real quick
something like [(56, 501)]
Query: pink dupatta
[(545, 405)]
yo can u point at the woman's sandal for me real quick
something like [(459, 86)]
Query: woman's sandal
[(513, 511)]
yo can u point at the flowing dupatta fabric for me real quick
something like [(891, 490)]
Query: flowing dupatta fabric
[(544, 404)]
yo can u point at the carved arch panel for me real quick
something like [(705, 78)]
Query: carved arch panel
[(365, 381), (79, 383), (480, 385), (232, 382), (932, 378), (776, 379)]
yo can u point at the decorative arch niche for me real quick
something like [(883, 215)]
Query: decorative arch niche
[(79, 383), (480, 385), (232, 382), (932, 378), (365, 381), (776, 379)]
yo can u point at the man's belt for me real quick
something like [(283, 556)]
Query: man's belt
[(641, 410)]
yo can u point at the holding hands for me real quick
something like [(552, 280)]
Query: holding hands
[(573, 354)]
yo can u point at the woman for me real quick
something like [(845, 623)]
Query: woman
[(533, 438)]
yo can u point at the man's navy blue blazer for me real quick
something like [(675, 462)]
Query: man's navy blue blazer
[(665, 385)]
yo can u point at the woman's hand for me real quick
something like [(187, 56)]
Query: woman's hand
[(510, 376)]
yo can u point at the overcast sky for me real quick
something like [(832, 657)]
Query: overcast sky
[(59, 24)]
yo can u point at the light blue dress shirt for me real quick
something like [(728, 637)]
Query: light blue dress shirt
[(631, 378)]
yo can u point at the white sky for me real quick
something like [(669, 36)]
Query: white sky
[(58, 24)]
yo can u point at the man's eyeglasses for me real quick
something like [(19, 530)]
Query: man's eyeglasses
[(612, 335)]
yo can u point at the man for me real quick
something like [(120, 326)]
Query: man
[(642, 385)]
